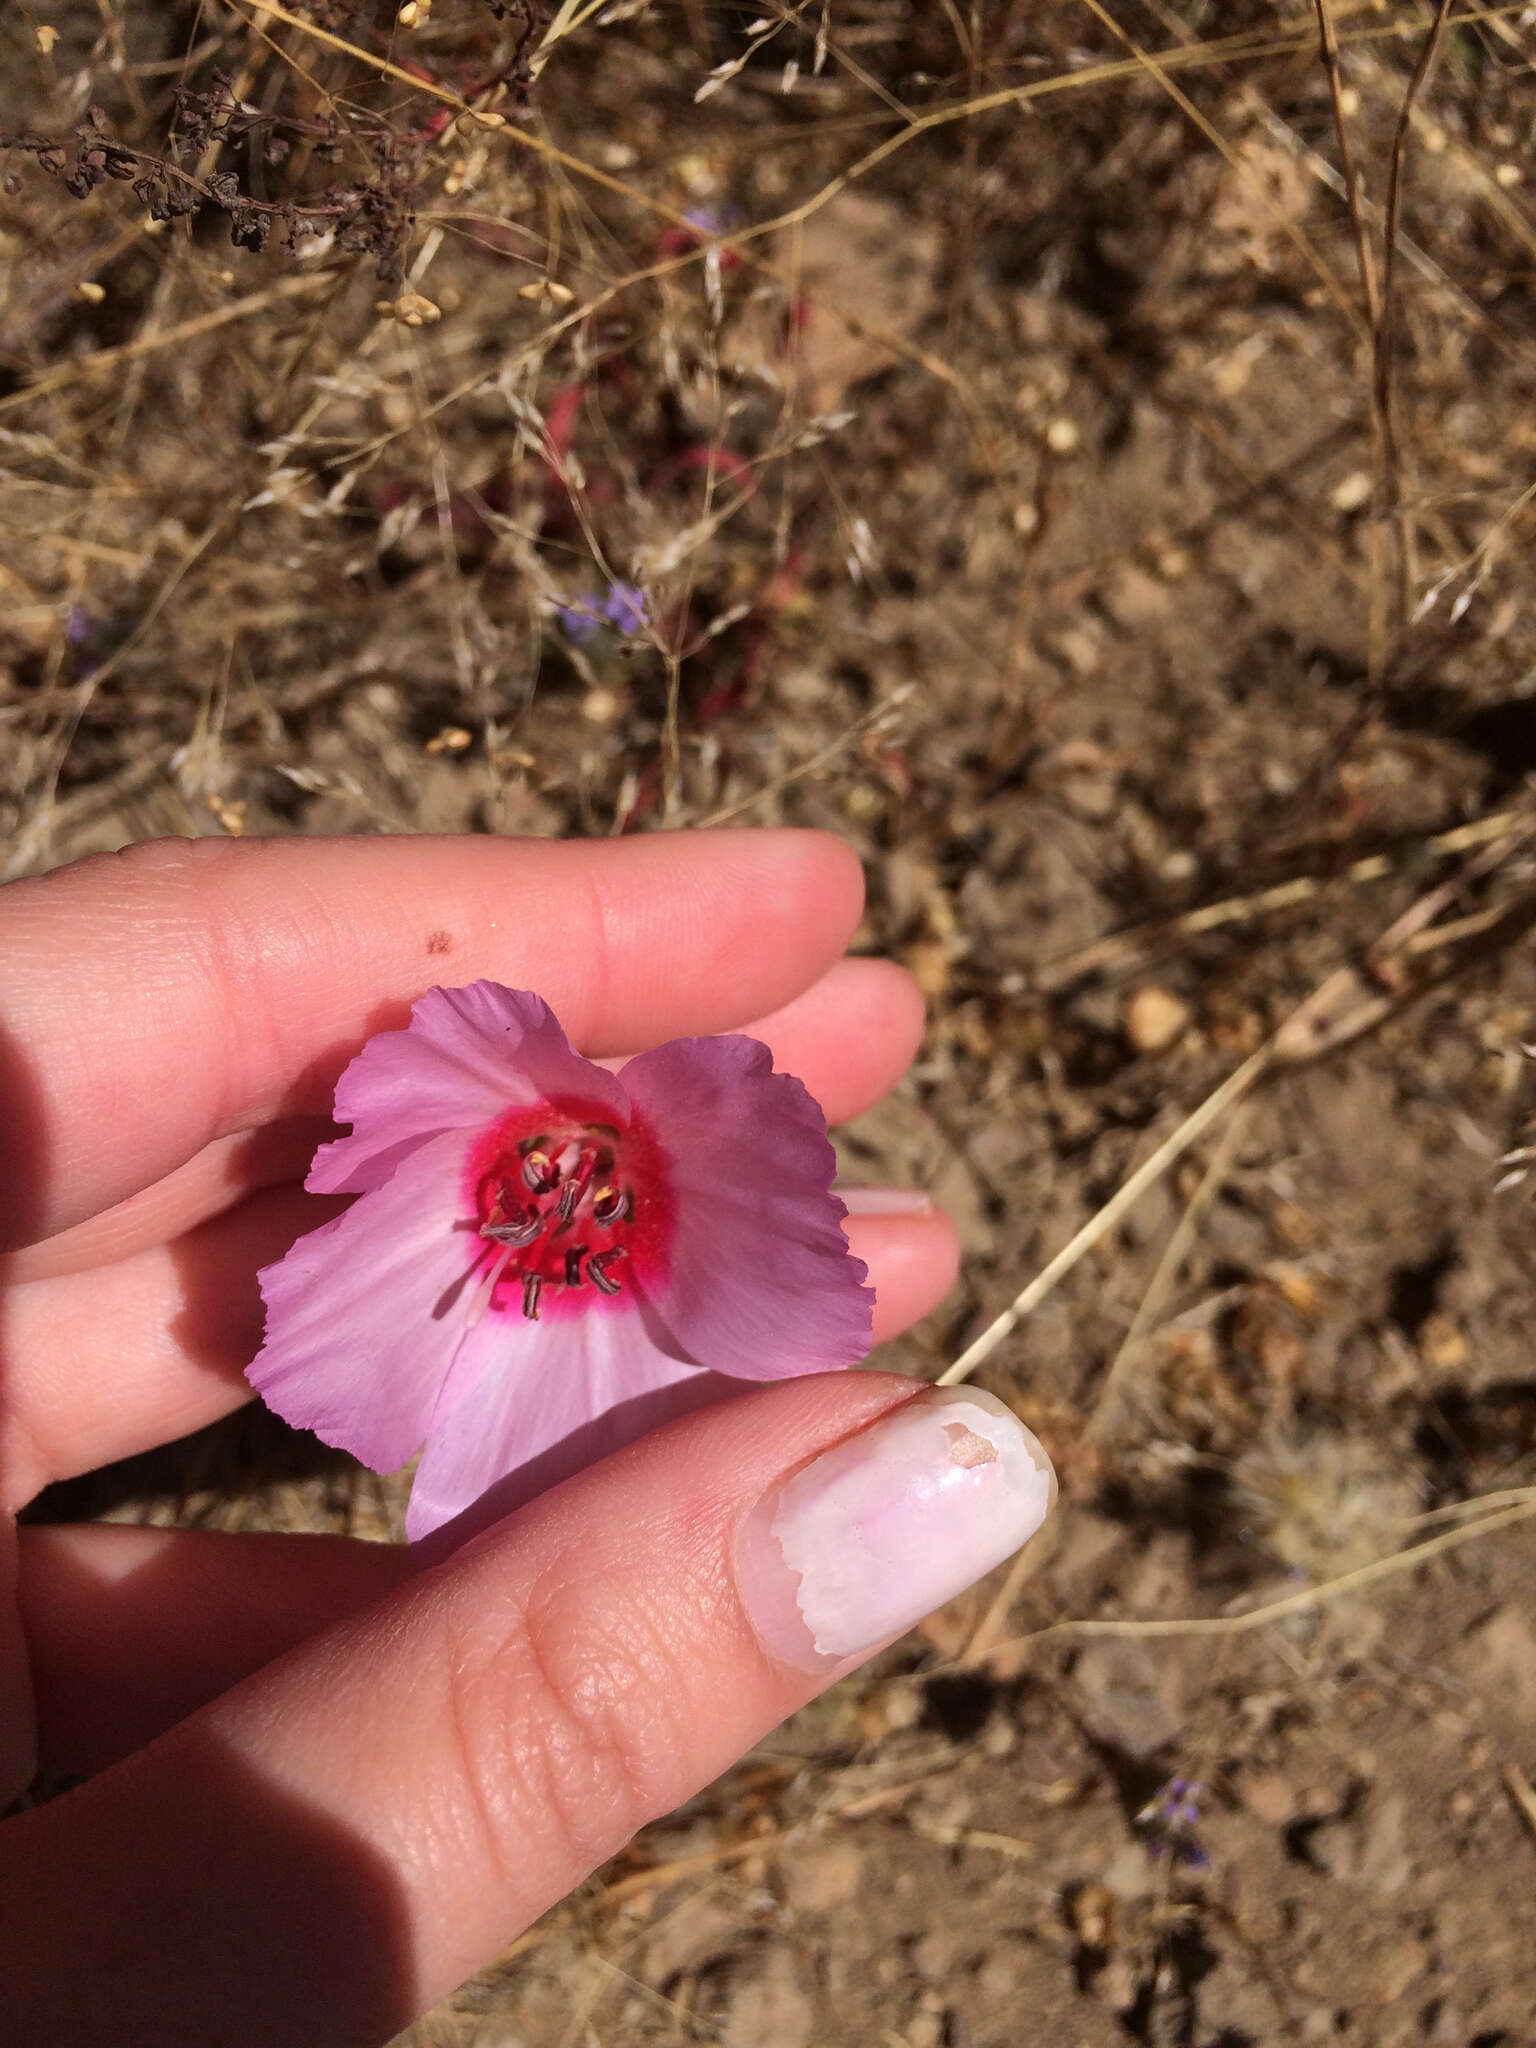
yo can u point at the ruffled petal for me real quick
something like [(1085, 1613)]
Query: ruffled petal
[(364, 1315), (531, 1403), (467, 1056), (760, 1280)]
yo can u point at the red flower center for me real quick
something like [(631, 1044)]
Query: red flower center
[(569, 1211)]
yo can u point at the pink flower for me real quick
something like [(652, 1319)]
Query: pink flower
[(547, 1259)]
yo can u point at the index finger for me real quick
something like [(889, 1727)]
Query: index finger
[(160, 998)]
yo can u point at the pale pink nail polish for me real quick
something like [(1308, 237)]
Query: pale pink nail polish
[(884, 1201), (877, 1532)]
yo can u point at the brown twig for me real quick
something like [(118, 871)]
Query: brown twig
[(1376, 636), (169, 337), (1293, 1603), (1123, 950), (1352, 197), (1156, 67), (870, 719), (1107, 1406), (1345, 1005), (1383, 381)]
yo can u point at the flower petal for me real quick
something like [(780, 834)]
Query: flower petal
[(467, 1056), (364, 1315), (540, 1401), (761, 1283)]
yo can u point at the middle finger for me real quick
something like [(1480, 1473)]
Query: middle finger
[(848, 1037), (106, 1362)]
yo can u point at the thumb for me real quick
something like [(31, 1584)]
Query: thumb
[(338, 1841)]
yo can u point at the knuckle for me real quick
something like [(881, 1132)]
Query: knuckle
[(567, 1732)]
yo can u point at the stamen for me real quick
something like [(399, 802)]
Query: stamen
[(597, 1269), (534, 1204), (514, 1234), (485, 1288)]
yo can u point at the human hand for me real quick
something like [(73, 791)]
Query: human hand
[(331, 1784)]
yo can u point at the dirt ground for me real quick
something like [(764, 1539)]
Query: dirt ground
[(985, 446)]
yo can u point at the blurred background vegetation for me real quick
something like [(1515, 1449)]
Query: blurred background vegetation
[(1083, 455)]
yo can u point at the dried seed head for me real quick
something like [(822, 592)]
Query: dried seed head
[(411, 309), (453, 739), (229, 812)]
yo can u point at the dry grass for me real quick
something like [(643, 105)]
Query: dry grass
[(1083, 454)]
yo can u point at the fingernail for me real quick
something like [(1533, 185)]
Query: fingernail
[(888, 1525), (884, 1201)]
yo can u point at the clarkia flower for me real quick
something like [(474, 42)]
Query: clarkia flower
[(548, 1258)]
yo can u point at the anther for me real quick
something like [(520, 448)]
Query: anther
[(597, 1269), (573, 1259), (540, 1172), (532, 1286), (612, 1205)]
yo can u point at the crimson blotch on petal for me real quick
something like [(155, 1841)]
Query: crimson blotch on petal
[(547, 1259)]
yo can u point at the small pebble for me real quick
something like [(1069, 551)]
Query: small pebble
[(1269, 1798), (1154, 1018), (1352, 493), (601, 707), (1093, 1916)]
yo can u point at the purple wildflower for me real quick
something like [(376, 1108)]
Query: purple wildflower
[(1172, 1817), (581, 621), (624, 607), (92, 639), (548, 1259)]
